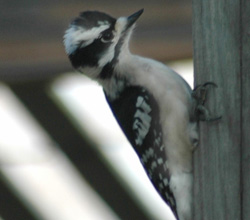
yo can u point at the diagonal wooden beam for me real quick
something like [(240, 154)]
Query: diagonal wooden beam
[(11, 206), (79, 150)]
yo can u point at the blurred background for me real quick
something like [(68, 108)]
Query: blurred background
[(62, 155)]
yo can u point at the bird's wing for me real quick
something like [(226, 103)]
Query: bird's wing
[(137, 113)]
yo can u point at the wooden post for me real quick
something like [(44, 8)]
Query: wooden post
[(221, 33)]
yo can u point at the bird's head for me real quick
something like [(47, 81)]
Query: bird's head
[(95, 40)]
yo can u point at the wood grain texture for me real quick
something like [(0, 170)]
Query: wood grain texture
[(245, 74), (222, 161)]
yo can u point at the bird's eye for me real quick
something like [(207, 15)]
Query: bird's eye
[(107, 37)]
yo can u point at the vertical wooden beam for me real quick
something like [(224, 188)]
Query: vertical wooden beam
[(222, 161), (245, 74)]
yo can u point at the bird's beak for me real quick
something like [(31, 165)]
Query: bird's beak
[(133, 18)]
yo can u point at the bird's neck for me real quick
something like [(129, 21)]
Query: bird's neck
[(119, 76)]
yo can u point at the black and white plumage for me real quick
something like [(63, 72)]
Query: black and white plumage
[(152, 104), (143, 130)]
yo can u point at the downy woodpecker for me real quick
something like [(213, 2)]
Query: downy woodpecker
[(153, 105)]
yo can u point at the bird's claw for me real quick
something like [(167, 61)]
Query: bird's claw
[(200, 95), (200, 92)]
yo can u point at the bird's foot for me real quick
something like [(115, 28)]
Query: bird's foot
[(200, 95)]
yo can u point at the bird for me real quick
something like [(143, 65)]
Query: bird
[(154, 106)]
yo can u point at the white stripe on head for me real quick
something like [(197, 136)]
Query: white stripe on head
[(120, 24), (110, 53), (108, 56), (75, 34)]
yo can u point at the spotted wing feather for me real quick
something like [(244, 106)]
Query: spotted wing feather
[(142, 128)]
